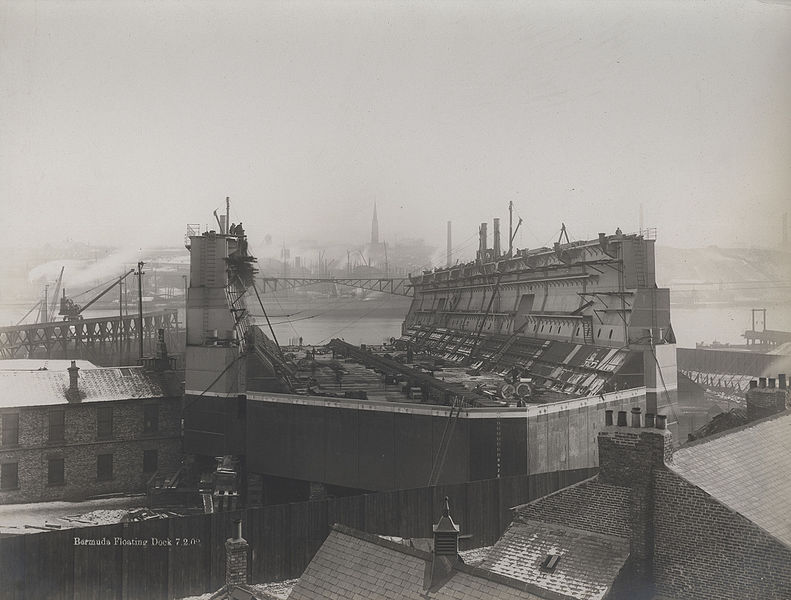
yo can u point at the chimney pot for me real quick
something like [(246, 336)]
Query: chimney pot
[(74, 374), (636, 417), (781, 381), (649, 420), (753, 384), (621, 418), (771, 382), (608, 417), (762, 382), (661, 421)]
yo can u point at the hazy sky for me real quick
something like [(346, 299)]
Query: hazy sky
[(120, 122)]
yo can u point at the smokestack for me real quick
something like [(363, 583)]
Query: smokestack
[(450, 247), (483, 242), (496, 238)]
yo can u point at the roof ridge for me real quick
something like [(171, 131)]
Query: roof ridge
[(736, 429), (457, 566), (556, 492)]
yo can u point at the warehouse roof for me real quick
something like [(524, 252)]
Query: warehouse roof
[(36, 388)]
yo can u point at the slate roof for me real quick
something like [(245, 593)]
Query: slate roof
[(589, 505), (36, 388), (746, 469), (353, 564), (589, 562)]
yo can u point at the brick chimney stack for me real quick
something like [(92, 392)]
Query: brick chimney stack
[(628, 454), (236, 549), (73, 394), (765, 399), (628, 457)]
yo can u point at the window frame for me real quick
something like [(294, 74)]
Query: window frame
[(150, 418), (103, 471), (4, 475), (54, 482), (146, 460), (107, 432), (4, 432), (58, 429)]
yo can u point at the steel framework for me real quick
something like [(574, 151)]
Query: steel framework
[(388, 285), (90, 339)]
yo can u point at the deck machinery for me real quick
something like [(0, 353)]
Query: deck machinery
[(581, 326), (580, 318)]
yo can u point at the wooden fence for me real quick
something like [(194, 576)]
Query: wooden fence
[(283, 539)]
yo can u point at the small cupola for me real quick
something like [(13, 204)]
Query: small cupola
[(446, 534), (446, 551)]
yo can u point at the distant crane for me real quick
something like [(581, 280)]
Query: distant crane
[(73, 312)]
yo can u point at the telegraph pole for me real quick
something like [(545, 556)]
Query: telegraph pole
[(140, 274)]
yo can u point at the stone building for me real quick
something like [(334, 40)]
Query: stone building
[(80, 433)]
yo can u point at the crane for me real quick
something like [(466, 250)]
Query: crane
[(73, 312)]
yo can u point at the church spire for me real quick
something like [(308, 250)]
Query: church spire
[(375, 228)]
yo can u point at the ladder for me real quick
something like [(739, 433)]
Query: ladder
[(587, 329), (444, 442), (639, 264)]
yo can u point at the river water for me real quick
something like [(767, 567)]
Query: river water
[(377, 319)]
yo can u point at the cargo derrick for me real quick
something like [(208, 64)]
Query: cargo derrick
[(578, 319)]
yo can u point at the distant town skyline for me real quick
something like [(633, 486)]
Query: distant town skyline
[(123, 122)]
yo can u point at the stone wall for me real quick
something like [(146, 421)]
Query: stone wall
[(81, 446)]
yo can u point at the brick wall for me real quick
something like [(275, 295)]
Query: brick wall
[(703, 550), (81, 446)]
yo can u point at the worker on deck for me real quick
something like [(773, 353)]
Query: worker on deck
[(232, 230), (239, 230)]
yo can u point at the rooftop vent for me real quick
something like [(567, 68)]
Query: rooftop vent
[(550, 562)]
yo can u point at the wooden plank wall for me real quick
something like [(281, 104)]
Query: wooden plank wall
[(283, 539)]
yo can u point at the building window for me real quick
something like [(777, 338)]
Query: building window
[(57, 425), (150, 461), (10, 430), (55, 471), (104, 467), (9, 476), (104, 422), (150, 418)]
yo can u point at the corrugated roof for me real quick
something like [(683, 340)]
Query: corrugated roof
[(588, 562), (356, 565), (34, 388), (747, 470), (588, 505)]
